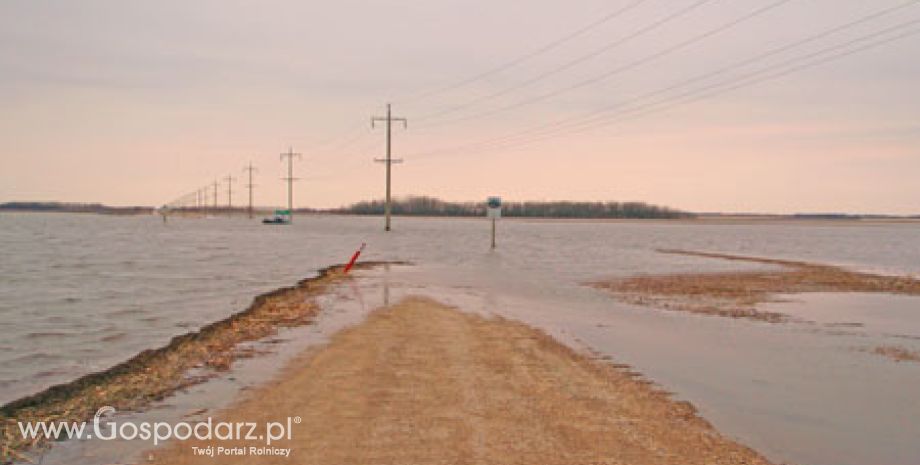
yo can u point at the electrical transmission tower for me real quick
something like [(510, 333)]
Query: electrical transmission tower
[(250, 185), (389, 159), (290, 179), (229, 180)]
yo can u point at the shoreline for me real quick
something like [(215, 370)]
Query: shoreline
[(700, 219), (422, 382), (154, 374)]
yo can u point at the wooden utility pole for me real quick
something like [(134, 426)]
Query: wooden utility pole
[(250, 185), (215, 196), (230, 180), (204, 200), (290, 179), (389, 159)]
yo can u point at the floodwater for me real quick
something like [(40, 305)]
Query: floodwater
[(79, 293)]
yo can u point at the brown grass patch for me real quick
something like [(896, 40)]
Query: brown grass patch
[(737, 294), (897, 353)]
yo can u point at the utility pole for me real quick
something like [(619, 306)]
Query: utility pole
[(204, 201), (290, 179), (250, 185), (230, 180), (215, 196), (389, 159)]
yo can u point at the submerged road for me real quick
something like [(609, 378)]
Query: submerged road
[(420, 382)]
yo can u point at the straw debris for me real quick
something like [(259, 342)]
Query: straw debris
[(738, 294), (154, 374)]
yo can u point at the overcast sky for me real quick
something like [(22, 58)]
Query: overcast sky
[(140, 102)]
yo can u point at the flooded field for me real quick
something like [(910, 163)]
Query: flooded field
[(82, 292)]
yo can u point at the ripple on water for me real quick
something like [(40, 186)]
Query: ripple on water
[(127, 311), (35, 357), (47, 334), (119, 336), (52, 373), (59, 319)]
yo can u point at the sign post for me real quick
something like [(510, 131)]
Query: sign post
[(494, 212)]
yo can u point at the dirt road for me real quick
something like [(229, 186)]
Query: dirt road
[(421, 383)]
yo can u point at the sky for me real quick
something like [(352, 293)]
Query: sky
[(764, 106)]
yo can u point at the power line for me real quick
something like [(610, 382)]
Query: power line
[(350, 141), (677, 94), (772, 72), (514, 62), (583, 30), (621, 69), (769, 53), (345, 135), (777, 51), (351, 163), (712, 91), (571, 63)]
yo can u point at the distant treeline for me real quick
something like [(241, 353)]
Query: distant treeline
[(74, 208), (428, 206), (844, 216)]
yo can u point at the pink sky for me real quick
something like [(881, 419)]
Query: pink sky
[(139, 103)]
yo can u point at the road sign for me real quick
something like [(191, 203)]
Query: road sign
[(494, 205), (494, 212)]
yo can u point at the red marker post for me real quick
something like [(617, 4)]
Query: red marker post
[(354, 258)]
